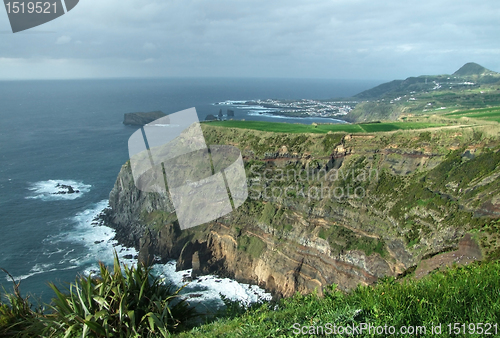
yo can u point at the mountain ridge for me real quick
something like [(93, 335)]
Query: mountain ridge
[(472, 86), (425, 82)]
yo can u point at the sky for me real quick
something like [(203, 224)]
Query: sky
[(333, 39)]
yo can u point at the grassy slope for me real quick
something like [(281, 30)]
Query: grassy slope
[(458, 295), (324, 128), (417, 96), (490, 114)]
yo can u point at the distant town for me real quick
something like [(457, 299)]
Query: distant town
[(292, 108)]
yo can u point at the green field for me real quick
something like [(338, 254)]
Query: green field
[(323, 128), (490, 114), (288, 127), (388, 126)]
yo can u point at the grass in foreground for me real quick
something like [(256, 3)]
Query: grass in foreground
[(132, 303), (468, 295), (324, 128), (464, 295)]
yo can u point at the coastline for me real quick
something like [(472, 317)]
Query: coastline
[(292, 109), (204, 292)]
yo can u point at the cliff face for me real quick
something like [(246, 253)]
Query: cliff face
[(324, 209)]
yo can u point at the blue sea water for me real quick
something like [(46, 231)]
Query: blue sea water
[(71, 132)]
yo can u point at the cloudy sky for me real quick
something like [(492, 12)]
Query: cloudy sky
[(338, 39)]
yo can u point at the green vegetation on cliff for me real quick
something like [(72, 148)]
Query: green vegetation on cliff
[(427, 182)]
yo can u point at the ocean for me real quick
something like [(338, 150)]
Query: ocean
[(71, 132)]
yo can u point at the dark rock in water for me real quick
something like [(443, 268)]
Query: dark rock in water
[(67, 189), (211, 117), (140, 119), (128, 256), (98, 242), (195, 262), (195, 295)]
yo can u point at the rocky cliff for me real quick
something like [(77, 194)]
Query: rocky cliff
[(334, 208)]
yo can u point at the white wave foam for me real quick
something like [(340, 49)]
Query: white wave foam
[(52, 190), (231, 102), (207, 289), (165, 125), (98, 239), (248, 109), (39, 269)]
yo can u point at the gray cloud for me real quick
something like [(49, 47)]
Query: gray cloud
[(322, 38), (63, 40)]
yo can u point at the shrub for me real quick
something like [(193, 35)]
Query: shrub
[(17, 318), (254, 246), (128, 304)]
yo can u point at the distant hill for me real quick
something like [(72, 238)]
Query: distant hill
[(472, 86), (469, 72), (472, 68), (393, 87)]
